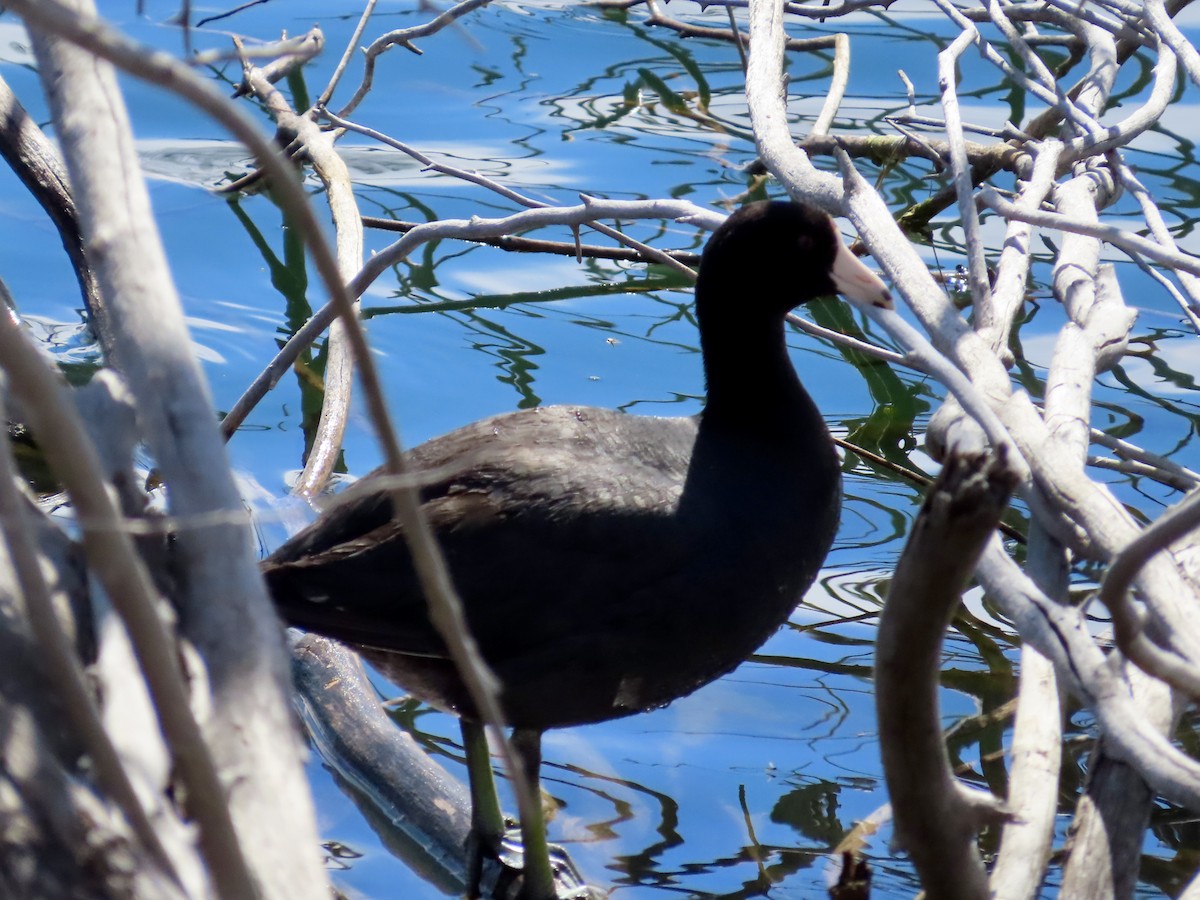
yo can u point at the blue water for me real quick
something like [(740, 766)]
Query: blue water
[(534, 95)]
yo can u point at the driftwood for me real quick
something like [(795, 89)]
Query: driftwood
[(34, 159), (421, 812)]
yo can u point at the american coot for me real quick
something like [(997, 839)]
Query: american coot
[(611, 563)]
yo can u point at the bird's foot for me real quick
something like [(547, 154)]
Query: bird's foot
[(568, 882), (504, 855)]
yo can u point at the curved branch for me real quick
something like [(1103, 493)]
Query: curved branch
[(937, 818)]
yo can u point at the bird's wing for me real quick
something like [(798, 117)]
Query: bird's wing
[(522, 506)]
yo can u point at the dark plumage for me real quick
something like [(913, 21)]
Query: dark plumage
[(611, 563)]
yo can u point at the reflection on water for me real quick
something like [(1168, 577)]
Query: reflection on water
[(213, 163)]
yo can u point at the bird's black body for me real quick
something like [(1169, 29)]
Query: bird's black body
[(590, 599), (609, 563)]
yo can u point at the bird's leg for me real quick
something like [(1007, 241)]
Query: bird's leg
[(487, 821), (538, 883)]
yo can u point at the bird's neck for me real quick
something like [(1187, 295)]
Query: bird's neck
[(751, 383)]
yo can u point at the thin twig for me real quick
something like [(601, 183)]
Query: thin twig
[(404, 38), (351, 46), (1133, 452)]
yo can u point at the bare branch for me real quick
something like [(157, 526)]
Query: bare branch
[(61, 663), (339, 365), (130, 588), (403, 38), (1110, 234), (467, 230), (937, 820), (959, 168), (347, 54), (1156, 18), (294, 54), (837, 87), (36, 161)]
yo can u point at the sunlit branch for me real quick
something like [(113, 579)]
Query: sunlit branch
[(1129, 451), (689, 258), (1168, 528), (306, 47), (837, 85), (347, 54), (1142, 470), (404, 38), (338, 376), (1190, 305), (492, 185), (937, 817), (1106, 138), (1061, 633), (1110, 234), (288, 58), (1156, 17), (995, 320), (977, 269), (1052, 96), (1068, 9)]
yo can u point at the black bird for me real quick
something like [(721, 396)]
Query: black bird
[(610, 563)]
